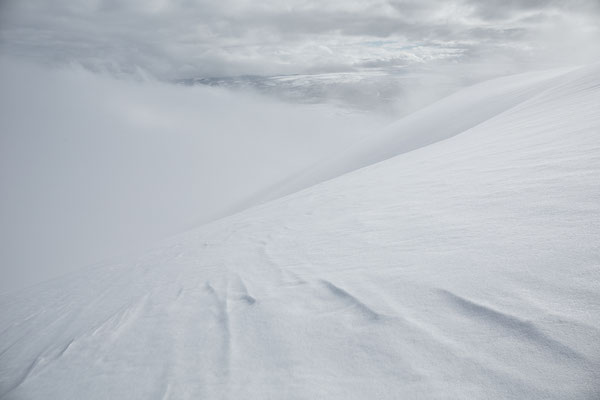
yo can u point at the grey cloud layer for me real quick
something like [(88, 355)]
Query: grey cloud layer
[(186, 38)]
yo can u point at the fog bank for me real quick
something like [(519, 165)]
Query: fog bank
[(92, 166)]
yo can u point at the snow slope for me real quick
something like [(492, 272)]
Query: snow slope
[(466, 268)]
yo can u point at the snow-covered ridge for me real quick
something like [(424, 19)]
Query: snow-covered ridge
[(465, 268), (441, 120)]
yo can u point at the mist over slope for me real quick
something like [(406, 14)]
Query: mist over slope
[(92, 166), (465, 268)]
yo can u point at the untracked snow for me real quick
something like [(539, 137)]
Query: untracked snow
[(467, 268)]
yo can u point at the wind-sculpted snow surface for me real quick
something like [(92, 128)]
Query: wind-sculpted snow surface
[(465, 269)]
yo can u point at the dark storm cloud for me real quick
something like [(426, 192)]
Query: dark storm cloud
[(200, 37)]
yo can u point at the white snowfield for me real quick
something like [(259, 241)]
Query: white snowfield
[(467, 268)]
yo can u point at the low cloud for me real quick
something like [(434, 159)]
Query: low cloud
[(92, 166)]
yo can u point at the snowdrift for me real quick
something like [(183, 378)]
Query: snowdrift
[(466, 268)]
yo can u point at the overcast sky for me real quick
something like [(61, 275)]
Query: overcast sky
[(182, 38)]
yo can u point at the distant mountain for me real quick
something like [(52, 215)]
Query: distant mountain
[(387, 91)]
